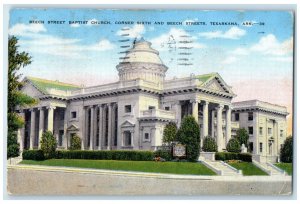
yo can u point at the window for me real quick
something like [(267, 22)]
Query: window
[(237, 117), (60, 137), (251, 147), (128, 109), (250, 130), (269, 131), (61, 115), (127, 138), (73, 114), (260, 147), (167, 108), (281, 133), (260, 130), (146, 136), (250, 116), (151, 107)]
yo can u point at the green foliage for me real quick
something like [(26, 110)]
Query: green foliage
[(233, 145), (37, 155), (224, 156), (286, 152), (242, 136), (209, 144), (170, 132), (97, 155), (165, 154), (48, 144), (75, 143), (16, 61), (189, 135)]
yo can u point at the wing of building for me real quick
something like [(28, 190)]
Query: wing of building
[(132, 112)]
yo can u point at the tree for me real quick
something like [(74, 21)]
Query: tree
[(242, 136), (233, 145), (75, 143), (15, 98), (48, 144), (189, 135), (286, 152), (209, 144), (169, 134)]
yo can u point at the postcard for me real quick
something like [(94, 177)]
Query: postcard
[(108, 102)]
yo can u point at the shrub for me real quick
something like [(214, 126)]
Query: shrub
[(106, 155), (169, 135), (48, 144), (286, 152), (37, 155), (242, 136), (233, 156), (189, 135), (209, 144), (165, 154), (233, 145), (75, 143)]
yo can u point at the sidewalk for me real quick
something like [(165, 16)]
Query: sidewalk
[(149, 175)]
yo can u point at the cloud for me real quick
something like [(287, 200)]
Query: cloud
[(172, 39), (232, 33), (21, 29), (282, 59), (75, 25), (240, 51), (269, 45), (229, 60), (134, 32)]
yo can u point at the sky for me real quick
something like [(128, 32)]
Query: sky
[(253, 53)]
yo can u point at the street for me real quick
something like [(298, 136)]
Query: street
[(37, 180)]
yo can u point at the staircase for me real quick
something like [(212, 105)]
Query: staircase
[(269, 168), (222, 168)]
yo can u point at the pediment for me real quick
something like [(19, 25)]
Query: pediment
[(127, 123), (31, 90), (72, 128), (218, 84)]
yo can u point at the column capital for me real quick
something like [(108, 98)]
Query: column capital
[(220, 106), (194, 101), (51, 107), (40, 108), (230, 107), (31, 109), (205, 102)]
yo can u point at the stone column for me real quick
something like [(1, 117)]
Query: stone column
[(132, 142), (32, 128), (219, 127), (92, 128), (178, 112), (213, 123), (41, 125), (100, 126), (109, 126), (113, 112), (228, 124), (276, 133), (195, 109), (85, 128), (21, 131), (50, 122), (66, 141), (205, 122)]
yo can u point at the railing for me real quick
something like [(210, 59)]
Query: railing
[(256, 103), (183, 82), (158, 113), (57, 92)]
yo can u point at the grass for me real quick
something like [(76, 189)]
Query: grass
[(288, 167), (141, 166), (248, 169)]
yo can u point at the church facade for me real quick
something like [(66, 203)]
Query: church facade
[(132, 112)]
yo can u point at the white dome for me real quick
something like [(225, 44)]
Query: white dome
[(142, 52)]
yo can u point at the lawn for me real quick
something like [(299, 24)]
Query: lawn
[(142, 166), (248, 169), (288, 167)]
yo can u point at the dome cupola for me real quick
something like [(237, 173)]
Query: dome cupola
[(142, 62)]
